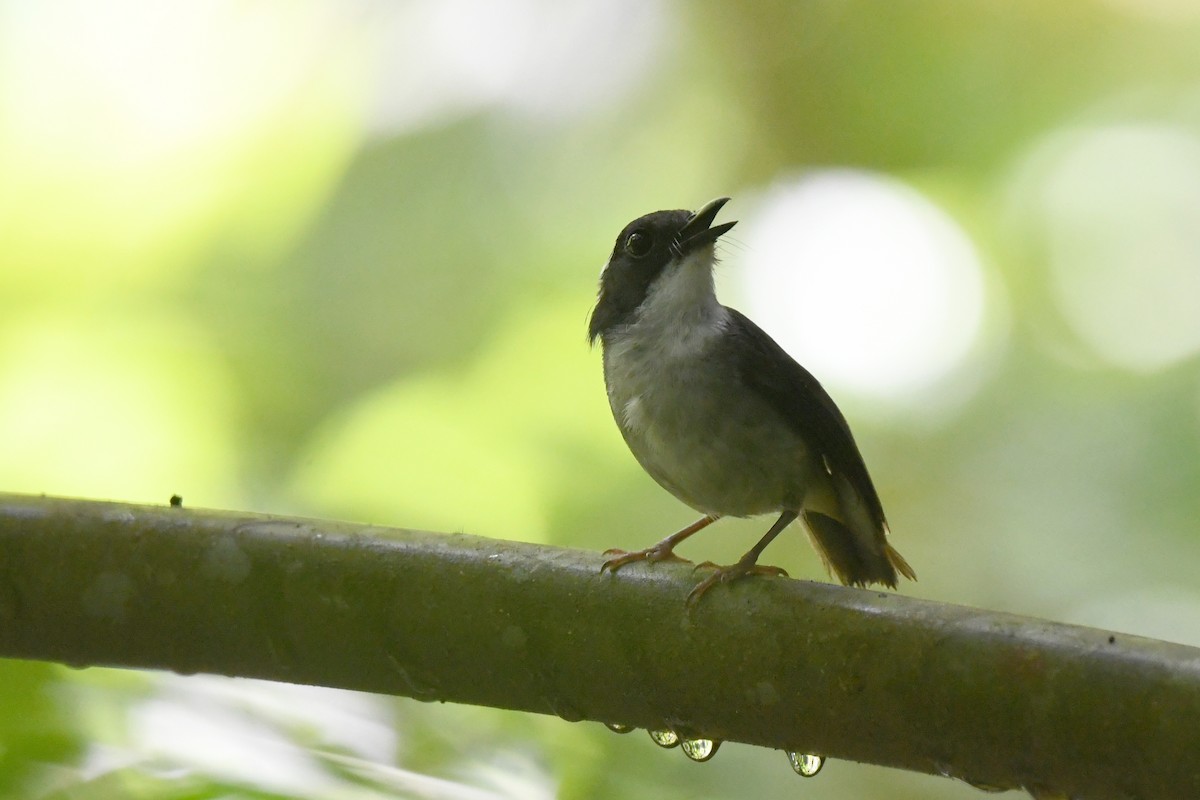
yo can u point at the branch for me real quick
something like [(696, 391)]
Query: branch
[(853, 674)]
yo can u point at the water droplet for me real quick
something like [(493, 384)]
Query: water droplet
[(699, 749), (983, 786), (806, 764), (417, 689), (665, 738), (617, 727), (566, 711)]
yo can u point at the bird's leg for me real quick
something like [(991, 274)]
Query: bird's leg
[(746, 565), (663, 551)]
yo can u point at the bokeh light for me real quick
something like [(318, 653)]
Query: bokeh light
[(866, 282), (127, 134), (89, 403), (544, 60), (1119, 210)]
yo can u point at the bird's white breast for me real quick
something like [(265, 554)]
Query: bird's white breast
[(686, 415)]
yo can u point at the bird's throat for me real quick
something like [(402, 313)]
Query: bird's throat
[(681, 309)]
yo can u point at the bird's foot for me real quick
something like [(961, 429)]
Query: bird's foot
[(663, 551), (727, 573)]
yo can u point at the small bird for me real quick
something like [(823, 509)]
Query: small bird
[(721, 416)]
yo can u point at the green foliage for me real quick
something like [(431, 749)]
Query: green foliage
[(34, 729)]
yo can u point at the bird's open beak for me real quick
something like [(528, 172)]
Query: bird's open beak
[(698, 230)]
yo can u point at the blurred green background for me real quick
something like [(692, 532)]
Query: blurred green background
[(336, 259)]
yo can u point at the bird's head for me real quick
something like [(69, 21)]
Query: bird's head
[(649, 252)]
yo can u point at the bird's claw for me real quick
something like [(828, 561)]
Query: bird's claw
[(652, 554), (731, 572)]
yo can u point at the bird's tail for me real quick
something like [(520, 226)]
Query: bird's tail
[(855, 560)]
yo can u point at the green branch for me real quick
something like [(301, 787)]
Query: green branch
[(860, 675)]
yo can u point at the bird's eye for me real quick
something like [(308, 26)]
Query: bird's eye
[(639, 244)]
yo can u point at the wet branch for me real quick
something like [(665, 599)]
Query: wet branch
[(861, 675)]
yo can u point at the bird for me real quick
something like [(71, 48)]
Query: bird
[(720, 415)]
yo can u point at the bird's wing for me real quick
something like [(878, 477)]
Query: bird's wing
[(803, 403)]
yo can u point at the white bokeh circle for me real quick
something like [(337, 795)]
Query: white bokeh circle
[(862, 279)]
